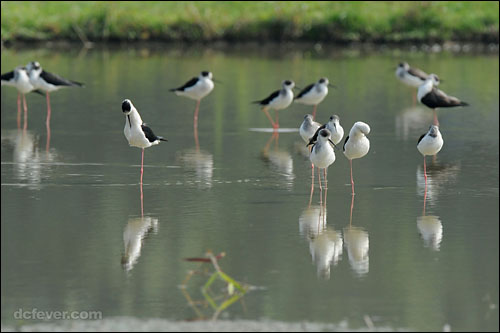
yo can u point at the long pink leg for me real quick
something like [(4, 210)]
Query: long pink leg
[(312, 188), (195, 120), (320, 188), (269, 117), (47, 122), (18, 110), (352, 206), (142, 202), (352, 181), (425, 172), (142, 165), (25, 112), (425, 198), (326, 189), (277, 124), (314, 111)]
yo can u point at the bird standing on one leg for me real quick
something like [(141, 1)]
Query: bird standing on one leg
[(196, 88), (137, 133), (356, 144), (430, 143), (278, 100), (314, 94)]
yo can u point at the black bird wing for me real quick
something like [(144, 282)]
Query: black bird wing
[(150, 135), (305, 91), (420, 139), (418, 73), (267, 100), (345, 141), (8, 76), (438, 99), (57, 80), (186, 85), (314, 138)]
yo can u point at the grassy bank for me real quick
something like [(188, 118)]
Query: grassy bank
[(420, 21)]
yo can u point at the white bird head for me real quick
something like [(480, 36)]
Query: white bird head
[(359, 127)]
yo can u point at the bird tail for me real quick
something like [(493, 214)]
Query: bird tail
[(464, 104), (39, 92), (162, 138), (173, 89)]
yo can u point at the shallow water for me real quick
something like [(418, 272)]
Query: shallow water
[(73, 237)]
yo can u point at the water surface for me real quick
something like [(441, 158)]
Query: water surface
[(73, 237)]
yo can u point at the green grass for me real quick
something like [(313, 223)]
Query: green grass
[(420, 21)]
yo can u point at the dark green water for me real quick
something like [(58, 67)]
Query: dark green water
[(66, 210)]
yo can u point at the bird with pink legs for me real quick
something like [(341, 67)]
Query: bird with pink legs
[(278, 100), (356, 144), (322, 156), (196, 88), (19, 79), (314, 94), (138, 134), (430, 143)]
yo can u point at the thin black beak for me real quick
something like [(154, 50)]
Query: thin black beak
[(332, 86), (217, 81), (333, 143), (297, 88)]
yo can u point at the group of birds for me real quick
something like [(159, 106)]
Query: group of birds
[(323, 139), (429, 95), (33, 78)]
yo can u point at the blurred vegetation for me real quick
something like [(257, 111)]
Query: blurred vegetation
[(414, 21)]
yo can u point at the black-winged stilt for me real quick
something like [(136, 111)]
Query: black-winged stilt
[(196, 88), (336, 130), (356, 144), (314, 94), (278, 100), (434, 98), (137, 133), (19, 79), (430, 143)]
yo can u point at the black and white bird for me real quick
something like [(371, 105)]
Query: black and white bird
[(196, 88), (308, 128), (314, 94), (137, 133), (411, 76), (322, 153), (356, 144), (278, 100), (47, 82), (430, 143), (434, 98), (19, 79), (336, 130)]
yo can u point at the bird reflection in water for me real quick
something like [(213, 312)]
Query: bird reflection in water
[(200, 161), (134, 234), (280, 160), (410, 122), (438, 176), (357, 244), (430, 226), (325, 243), (30, 162)]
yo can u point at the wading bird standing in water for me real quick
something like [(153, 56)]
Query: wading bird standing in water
[(314, 94), (137, 133), (278, 100), (19, 78), (356, 144), (434, 98), (430, 143), (196, 88)]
